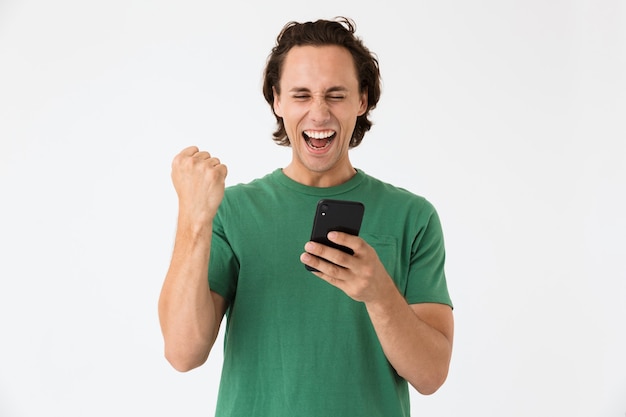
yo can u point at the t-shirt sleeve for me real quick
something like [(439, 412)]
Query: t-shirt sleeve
[(223, 264), (427, 280)]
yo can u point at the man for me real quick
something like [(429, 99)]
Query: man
[(342, 341)]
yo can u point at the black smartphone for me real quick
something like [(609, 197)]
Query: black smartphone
[(336, 215)]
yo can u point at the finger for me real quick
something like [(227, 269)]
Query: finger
[(214, 161), (189, 151), (202, 155), (335, 256), (324, 269), (310, 260), (344, 239), (222, 169), (183, 156)]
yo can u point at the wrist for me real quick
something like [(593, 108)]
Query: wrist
[(388, 299), (194, 230)]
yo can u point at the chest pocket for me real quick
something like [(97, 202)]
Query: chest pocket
[(388, 251)]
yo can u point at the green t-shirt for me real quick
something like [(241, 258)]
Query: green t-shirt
[(295, 345)]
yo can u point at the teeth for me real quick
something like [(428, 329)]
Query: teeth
[(314, 134)]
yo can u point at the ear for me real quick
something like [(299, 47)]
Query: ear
[(276, 104), (363, 103)]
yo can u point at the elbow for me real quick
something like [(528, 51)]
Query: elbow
[(184, 362), (428, 384), (181, 366), (427, 389)]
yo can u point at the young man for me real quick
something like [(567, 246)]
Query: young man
[(342, 341)]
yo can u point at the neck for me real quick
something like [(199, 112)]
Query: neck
[(320, 179)]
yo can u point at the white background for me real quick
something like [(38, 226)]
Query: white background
[(507, 115)]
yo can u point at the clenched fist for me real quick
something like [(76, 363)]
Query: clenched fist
[(199, 180)]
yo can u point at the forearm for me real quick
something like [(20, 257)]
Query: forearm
[(418, 351), (186, 310)]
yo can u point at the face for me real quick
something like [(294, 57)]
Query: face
[(319, 104)]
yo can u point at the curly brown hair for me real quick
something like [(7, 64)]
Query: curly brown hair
[(324, 32)]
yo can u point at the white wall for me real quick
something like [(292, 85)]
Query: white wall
[(508, 116)]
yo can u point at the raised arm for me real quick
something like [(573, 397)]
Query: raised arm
[(189, 312)]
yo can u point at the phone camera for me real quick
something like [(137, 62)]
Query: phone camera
[(324, 208)]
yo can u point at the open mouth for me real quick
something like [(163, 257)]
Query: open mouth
[(319, 140)]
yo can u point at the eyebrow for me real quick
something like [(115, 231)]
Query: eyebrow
[(328, 90)]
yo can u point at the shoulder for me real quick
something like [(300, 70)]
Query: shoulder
[(253, 187), (395, 195)]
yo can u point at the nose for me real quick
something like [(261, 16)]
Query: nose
[(319, 111)]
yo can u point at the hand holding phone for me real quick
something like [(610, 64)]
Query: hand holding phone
[(336, 215)]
